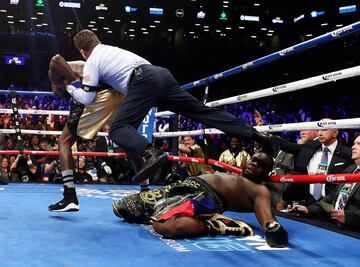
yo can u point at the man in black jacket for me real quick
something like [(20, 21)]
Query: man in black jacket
[(345, 199), (109, 169), (310, 159)]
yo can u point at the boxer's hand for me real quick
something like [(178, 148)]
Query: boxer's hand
[(276, 235)]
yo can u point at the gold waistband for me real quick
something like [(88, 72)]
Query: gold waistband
[(100, 112)]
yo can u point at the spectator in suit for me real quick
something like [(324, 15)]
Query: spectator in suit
[(345, 199), (324, 155), (284, 164), (109, 169)]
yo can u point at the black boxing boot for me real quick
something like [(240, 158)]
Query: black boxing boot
[(154, 159), (68, 203), (276, 235)]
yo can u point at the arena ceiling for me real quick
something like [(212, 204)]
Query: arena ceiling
[(208, 35), (250, 21)]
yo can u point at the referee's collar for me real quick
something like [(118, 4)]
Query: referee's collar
[(96, 49)]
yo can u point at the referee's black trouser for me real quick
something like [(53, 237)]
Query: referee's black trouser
[(157, 87)]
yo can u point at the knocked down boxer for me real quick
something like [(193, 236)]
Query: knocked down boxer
[(193, 207)]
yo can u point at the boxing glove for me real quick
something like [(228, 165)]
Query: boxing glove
[(276, 235)]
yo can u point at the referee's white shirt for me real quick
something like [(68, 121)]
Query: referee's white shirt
[(111, 65)]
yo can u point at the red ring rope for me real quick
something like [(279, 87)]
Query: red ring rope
[(108, 154), (327, 178)]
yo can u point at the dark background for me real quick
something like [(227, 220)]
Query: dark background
[(188, 51)]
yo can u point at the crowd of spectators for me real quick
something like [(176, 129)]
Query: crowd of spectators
[(47, 168)]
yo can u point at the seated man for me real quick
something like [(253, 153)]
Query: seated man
[(345, 211), (191, 208)]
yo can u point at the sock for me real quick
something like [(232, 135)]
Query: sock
[(68, 178)]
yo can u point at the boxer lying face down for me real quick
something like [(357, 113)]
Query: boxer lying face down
[(193, 207)]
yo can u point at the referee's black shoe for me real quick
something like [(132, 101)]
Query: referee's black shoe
[(154, 159), (68, 203)]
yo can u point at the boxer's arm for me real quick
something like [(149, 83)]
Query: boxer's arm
[(77, 67), (276, 235), (60, 67), (79, 94)]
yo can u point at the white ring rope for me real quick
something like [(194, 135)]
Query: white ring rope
[(289, 87), (279, 89), (313, 125), (283, 88), (40, 132), (37, 111)]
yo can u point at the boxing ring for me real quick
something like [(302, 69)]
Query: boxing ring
[(32, 236)]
